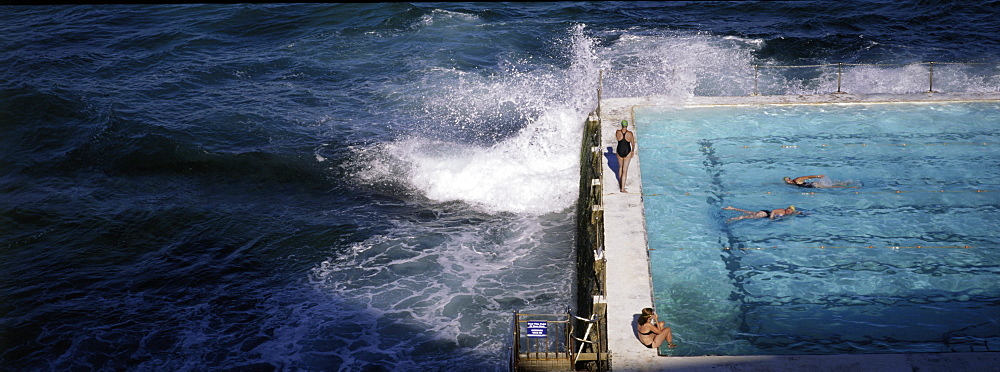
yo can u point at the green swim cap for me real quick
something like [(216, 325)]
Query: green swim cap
[(624, 123)]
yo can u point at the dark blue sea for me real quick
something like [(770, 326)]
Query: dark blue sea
[(358, 187)]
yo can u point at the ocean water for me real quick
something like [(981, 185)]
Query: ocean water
[(871, 267), (358, 186)]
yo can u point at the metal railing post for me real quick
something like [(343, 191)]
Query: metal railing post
[(600, 87), (930, 88), (840, 68), (515, 349)]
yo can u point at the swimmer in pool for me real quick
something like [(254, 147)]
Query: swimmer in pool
[(772, 214), (652, 332), (822, 184), (624, 152)]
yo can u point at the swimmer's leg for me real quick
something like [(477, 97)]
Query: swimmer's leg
[(731, 208), (624, 172), (743, 217)]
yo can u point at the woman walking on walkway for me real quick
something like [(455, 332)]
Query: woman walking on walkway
[(624, 151)]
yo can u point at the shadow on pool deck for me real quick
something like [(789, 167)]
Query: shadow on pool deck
[(612, 159)]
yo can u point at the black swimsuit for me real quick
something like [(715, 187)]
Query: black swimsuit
[(767, 212), (806, 185), (649, 345), (624, 147)]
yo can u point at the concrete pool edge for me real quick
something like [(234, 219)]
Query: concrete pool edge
[(629, 283)]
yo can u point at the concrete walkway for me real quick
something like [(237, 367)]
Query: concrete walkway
[(629, 284)]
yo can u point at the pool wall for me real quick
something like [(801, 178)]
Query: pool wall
[(628, 285), (590, 263)]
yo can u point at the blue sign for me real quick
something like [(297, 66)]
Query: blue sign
[(538, 329)]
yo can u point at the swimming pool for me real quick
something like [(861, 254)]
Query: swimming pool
[(906, 260)]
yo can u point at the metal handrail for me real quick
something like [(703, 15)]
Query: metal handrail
[(590, 325), (840, 71), (590, 322), (839, 65)]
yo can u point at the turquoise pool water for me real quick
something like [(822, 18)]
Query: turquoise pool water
[(907, 260)]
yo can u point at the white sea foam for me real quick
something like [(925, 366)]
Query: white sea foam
[(440, 284), (677, 66), (502, 143), (529, 173), (438, 16)]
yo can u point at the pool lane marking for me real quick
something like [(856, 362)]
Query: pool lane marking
[(815, 193), (830, 247), (845, 145), (850, 144)]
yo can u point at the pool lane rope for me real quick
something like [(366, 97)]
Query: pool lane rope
[(833, 193), (864, 145), (825, 247), (840, 145)]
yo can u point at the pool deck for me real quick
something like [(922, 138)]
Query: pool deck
[(629, 283)]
